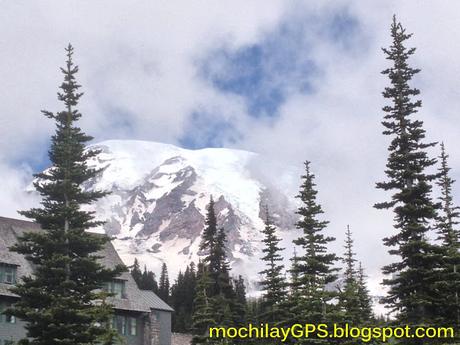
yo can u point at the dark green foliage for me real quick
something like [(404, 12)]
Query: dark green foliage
[(273, 284), (447, 223), (213, 243), (349, 299), (136, 272), (314, 269), (145, 280), (183, 293), (365, 303), (240, 301), (226, 306), (349, 257), (253, 310), (208, 238), (293, 304), (203, 315), (354, 300), (410, 279), (58, 302), (148, 281), (222, 275), (216, 293), (163, 287)]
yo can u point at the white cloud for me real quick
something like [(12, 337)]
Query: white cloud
[(14, 196)]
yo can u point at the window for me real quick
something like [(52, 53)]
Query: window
[(123, 325), (113, 325), (154, 315), (117, 288), (6, 317), (7, 274), (133, 326)]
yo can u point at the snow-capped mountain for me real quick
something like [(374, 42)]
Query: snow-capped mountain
[(159, 192)]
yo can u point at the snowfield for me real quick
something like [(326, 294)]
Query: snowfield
[(158, 190)]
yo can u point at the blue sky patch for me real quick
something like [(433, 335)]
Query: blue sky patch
[(266, 72), (207, 130), (263, 73)]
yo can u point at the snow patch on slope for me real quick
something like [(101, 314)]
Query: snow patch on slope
[(159, 196)]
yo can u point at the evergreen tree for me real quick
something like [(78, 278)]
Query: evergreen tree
[(253, 310), (137, 273), (145, 280), (208, 238), (410, 280), (240, 301), (215, 252), (163, 288), (447, 221), (365, 302), (57, 303), (349, 298), (315, 267), (213, 243), (220, 295), (183, 293), (178, 317), (203, 315), (148, 281), (224, 282), (293, 304), (226, 305), (273, 284)]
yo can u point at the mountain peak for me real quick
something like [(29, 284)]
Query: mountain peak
[(158, 199)]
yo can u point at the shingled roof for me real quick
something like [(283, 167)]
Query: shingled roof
[(137, 300)]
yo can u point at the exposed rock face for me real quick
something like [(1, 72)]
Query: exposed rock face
[(280, 208), (159, 193)]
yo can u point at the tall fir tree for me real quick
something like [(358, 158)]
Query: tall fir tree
[(183, 293), (136, 272), (148, 281), (163, 287), (220, 294), (448, 235), (349, 257), (208, 244), (203, 308), (365, 302), (57, 303), (226, 307), (253, 310), (240, 301), (273, 283), (208, 238), (410, 279), (315, 268), (349, 295), (221, 263), (213, 243), (293, 303)]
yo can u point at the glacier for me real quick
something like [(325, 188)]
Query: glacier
[(158, 195)]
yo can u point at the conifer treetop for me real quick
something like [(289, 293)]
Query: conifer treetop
[(61, 302), (410, 179)]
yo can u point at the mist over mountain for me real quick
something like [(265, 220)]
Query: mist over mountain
[(159, 192)]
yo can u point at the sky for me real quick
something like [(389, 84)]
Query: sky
[(292, 80)]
